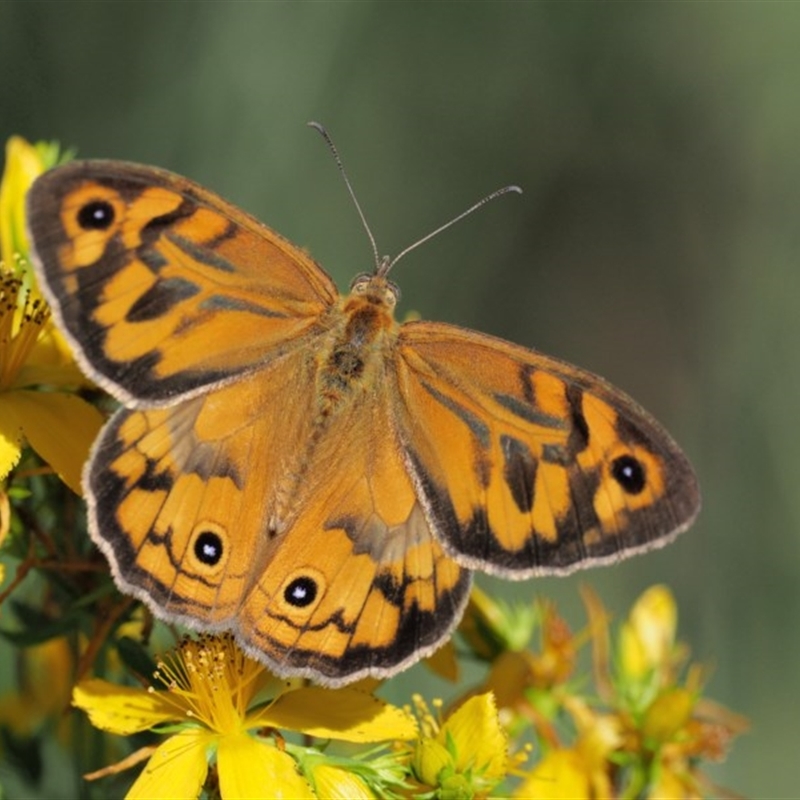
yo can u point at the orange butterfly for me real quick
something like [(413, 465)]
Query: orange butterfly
[(295, 466)]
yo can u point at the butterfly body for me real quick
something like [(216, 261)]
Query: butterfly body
[(298, 467), (362, 339)]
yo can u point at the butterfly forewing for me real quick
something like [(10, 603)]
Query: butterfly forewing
[(527, 465), (162, 287)]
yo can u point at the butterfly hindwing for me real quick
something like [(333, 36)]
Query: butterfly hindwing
[(528, 465), (359, 585)]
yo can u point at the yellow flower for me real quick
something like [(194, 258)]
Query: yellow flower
[(647, 638), (466, 755), (223, 708), (36, 369), (662, 724), (529, 686), (667, 715)]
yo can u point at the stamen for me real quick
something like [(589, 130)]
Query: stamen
[(209, 679), (23, 315)]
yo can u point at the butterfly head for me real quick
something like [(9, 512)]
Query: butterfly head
[(375, 287)]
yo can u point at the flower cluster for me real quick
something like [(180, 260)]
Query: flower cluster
[(527, 731), (205, 720)]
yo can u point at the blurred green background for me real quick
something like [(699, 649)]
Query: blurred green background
[(657, 241)]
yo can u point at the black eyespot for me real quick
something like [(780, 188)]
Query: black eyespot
[(301, 592), (96, 215), (208, 548), (629, 473)]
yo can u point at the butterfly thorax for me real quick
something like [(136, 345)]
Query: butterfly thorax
[(363, 331)]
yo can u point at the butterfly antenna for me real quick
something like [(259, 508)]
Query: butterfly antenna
[(332, 147), (475, 207)]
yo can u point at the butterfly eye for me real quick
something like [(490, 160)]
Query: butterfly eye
[(360, 283), (629, 473), (96, 215), (392, 294), (301, 592)]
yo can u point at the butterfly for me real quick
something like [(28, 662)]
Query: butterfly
[(295, 466)]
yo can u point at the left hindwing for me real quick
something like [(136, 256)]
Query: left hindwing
[(527, 465)]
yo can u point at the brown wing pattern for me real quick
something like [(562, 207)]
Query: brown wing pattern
[(526, 465), (163, 287)]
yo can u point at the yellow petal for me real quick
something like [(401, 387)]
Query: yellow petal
[(633, 659), (430, 758), (47, 674), (123, 709), (177, 769), (10, 437), (334, 783), (23, 165), (598, 734), (650, 631), (59, 427), (5, 515), (667, 714), (345, 714), (55, 376), (560, 775), (249, 768), (485, 752)]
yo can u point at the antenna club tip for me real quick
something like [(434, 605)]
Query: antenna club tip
[(316, 125), (516, 189)]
